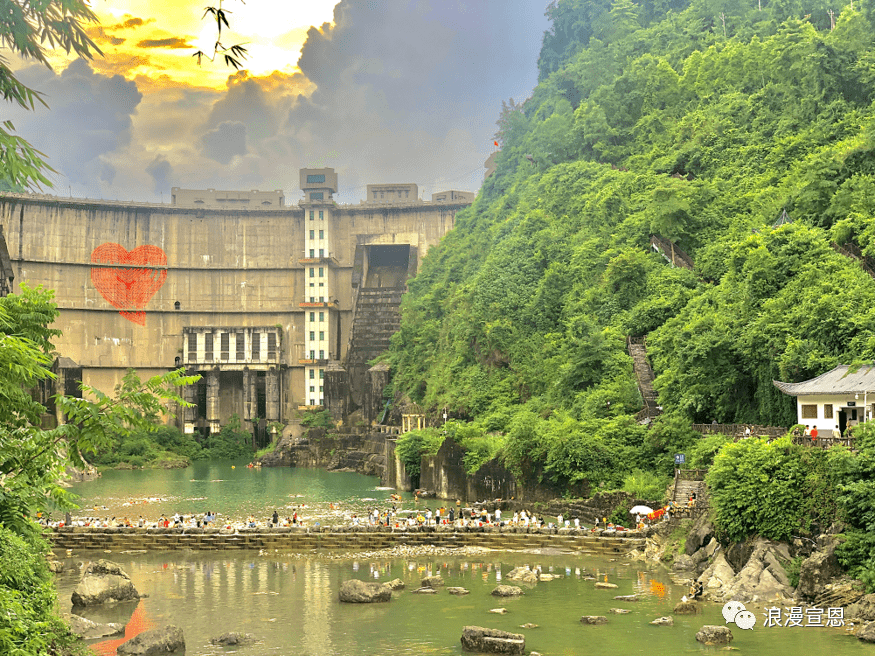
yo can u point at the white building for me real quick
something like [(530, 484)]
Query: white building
[(834, 400)]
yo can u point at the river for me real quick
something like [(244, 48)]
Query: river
[(289, 602)]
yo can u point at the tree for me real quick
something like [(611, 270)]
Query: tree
[(32, 459), (26, 29)]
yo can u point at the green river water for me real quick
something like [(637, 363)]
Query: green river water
[(290, 604)]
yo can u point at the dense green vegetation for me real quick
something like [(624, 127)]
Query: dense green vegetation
[(700, 121), (33, 459)]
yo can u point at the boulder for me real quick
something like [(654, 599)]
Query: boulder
[(498, 611), (700, 535), (686, 608), (507, 591), (86, 629), (231, 639), (56, 566), (164, 640), (867, 633), (550, 577), (619, 611), (529, 625), (523, 574), (396, 584), (601, 585), (718, 575), (762, 579), (627, 598), (593, 619), (711, 634), (492, 641), (425, 590), (361, 592), (663, 621), (683, 563), (103, 582), (458, 591), (818, 570), (864, 609), (433, 582)]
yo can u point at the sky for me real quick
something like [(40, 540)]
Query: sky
[(383, 91)]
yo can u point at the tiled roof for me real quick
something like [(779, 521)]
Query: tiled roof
[(837, 381)]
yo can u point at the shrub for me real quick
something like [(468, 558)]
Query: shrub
[(28, 623), (231, 441), (317, 419), (646, 485)]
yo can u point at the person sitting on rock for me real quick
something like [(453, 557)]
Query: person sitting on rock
[(697, 590)]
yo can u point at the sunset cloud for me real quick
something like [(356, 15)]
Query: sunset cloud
[(382, 92)]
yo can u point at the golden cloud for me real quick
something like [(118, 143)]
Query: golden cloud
[(170, 42)]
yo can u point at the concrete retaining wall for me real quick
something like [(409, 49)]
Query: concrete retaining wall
[(339, 539)]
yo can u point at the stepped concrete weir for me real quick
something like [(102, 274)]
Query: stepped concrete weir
[(345, 538)]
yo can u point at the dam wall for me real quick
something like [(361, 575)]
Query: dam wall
[(362, 538)]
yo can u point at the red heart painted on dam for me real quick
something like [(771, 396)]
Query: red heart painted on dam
[(131, 284)]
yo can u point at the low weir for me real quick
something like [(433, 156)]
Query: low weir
[(360, 538)]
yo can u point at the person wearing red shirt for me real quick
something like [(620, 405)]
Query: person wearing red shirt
[(814, 434)]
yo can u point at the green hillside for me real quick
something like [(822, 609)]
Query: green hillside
[(648, 119)]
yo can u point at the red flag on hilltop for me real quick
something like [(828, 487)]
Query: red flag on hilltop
[(495, 142)]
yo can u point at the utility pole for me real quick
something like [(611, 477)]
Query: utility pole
[(832, 19), (723, 20)]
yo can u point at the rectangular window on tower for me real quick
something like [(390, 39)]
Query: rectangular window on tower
[(312, 335), (321, 374), (313, 316), (313, 234), (312, 272), (321, 335), (312, 215), (312, 374), (256, 347), (208, 347), (321, 354), (315, 178), (321, 215), (271, 346), (225, 342), (321, 272), (321, 316), (192, 347), (321, 234), (312, 252), (241, 347), (321, 252)]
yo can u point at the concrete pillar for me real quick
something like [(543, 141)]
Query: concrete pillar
[(60, 388), (213, 401), (247, 396), (377, 379), (189, 415), (253, 397), (272, 395), (336, 391)]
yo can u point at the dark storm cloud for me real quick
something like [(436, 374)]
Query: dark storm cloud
[(89, 116), (226, 141), (171, 42), (402, 91), (160, 171)]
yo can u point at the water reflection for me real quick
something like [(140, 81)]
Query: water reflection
[(290, 605)]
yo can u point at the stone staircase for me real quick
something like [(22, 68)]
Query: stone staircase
[(377, 317), (644, 375)]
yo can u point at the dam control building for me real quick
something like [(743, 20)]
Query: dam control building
[(267, 301)]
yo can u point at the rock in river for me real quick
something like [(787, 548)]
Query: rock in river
[(523, 574), (492, 641), (165, 640), (593, 619), (103, 582), (433, 582), (458, 591), (663, 621), (361, 592), (230, 639), (396, 584), (86, 629), (507, 591), (601, 585), (711, 634)]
